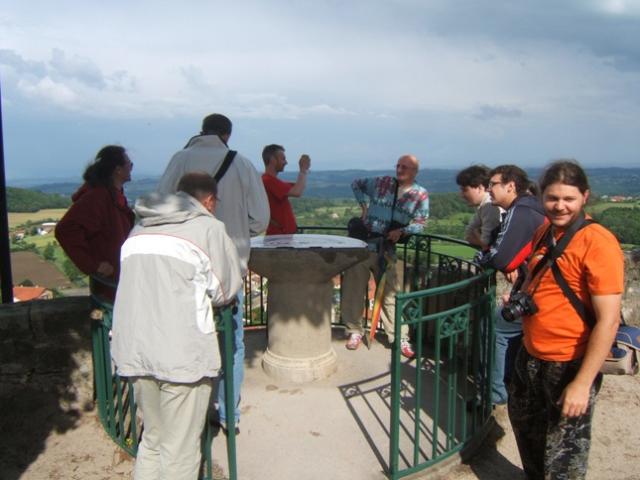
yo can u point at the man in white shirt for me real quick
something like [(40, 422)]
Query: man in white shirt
[(243, 207)]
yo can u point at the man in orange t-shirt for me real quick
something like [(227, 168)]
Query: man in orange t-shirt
[(282, 219), (556, 376), (556, 332)]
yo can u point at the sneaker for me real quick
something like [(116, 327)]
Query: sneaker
[(354, 341), (223, 426), (406, 349)]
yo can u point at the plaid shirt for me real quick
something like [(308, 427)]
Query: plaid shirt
[(412, 207)]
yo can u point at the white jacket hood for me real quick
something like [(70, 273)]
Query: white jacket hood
[(159, 209)]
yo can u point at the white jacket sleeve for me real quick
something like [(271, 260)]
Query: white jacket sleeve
[(226, 277), (257, 203)]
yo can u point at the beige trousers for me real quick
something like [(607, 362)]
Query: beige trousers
[(174, 416), (354, 289)]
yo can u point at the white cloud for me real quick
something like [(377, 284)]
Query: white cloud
[(76, 68), (359, 62), (413, 71), (619, 7), (48, 90), (269, 105), (490, 112)]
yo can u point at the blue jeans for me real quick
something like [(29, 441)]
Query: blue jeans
[(508, 341), (238, 363)]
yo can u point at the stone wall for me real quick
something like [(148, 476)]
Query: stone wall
[(631, 297), (46, 375)]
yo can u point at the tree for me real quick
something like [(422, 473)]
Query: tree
[(71, 271), (25, 200), (623, 222), (49, 252)]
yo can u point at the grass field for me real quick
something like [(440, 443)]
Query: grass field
[(459, 251), (29, 266), (41, 241), (600, 207), (16, 219)]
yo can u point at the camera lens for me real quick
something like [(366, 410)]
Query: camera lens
[(511, 312)]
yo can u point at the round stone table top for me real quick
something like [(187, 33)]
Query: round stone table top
[(304, 257), (306, 241)]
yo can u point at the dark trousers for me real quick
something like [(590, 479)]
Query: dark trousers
[(551, 446)]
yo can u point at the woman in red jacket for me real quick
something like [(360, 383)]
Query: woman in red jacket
[(99, 220)]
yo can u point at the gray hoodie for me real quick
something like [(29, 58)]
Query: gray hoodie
[(176, 263)]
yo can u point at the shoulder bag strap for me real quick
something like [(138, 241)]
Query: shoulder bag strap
[(586, 315), (393, 205), (225, 165), (579, 306)]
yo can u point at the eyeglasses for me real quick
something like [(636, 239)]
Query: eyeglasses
[(492, 184)]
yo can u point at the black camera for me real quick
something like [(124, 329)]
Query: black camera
[(520, 304)]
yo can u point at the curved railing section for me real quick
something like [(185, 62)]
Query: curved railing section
[(444, 406), (440, 403)]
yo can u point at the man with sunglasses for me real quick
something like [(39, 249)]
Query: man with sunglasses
[(510, 189)]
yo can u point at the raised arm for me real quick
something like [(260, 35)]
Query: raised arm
[(298, 188)]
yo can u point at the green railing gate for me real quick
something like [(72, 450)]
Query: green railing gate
[(441, 401)]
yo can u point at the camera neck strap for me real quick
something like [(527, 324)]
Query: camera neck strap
[(393, 206), (554, 251)]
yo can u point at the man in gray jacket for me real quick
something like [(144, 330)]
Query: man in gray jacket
[(243, 207), (176, 263)]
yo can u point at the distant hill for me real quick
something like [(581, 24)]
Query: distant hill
[(133, 189), (26, 200), (337, 183)]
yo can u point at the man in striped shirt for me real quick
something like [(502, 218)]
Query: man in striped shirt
[(392, 208)]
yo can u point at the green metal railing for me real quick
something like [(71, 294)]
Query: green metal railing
[(440, 403), (115, 396)]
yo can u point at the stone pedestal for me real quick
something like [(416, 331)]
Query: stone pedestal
[(300, 269)]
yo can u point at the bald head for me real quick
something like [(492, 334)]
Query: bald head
[(407, 169)]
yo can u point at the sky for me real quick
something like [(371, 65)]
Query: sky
[(355, 84)]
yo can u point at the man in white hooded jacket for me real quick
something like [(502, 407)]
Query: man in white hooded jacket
[(176, 263)]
